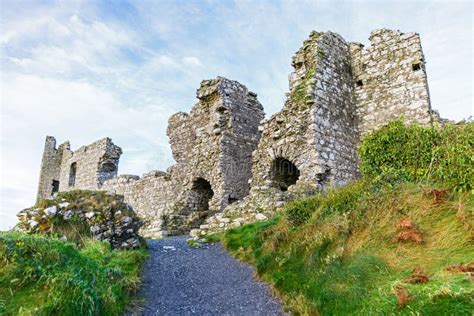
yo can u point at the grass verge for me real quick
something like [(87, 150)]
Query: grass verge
[(367, 249), (40, 275)]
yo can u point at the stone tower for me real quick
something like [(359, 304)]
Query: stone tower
[(390, 79)]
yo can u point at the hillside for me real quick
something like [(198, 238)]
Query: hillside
[(398, 241)]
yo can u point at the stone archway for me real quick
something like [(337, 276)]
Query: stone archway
[(199, 196), (284, 173)]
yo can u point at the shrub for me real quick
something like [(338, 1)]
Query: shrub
[(299, 211), (440, 154)]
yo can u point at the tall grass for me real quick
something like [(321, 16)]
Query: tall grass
[(46, 276), (337, 254)]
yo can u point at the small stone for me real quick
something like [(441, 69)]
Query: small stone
[(172, 248), (126, 219), (260, 217), (63, 238), (236, 224), (51, 211), (68, 215), (90, 214), (33, 223), (94, 229), (64, 204)]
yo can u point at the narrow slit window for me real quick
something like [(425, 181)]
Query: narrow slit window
[(72, 174), (359, 83), (416, 66)]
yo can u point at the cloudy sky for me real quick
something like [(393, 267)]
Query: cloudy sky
[(83, 70)]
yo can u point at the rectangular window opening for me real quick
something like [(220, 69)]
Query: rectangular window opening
[(55, 185), (416, 66)]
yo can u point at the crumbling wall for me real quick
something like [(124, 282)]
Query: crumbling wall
[(86, 168), (212, 146), (149, 196), (93, 164), (338, 91), (317, 127), (390, 79), (50, 168)]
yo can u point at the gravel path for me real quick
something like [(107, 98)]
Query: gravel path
[(179, 280)]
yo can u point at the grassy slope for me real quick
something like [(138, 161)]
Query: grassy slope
[(43, 275), (336, 255)]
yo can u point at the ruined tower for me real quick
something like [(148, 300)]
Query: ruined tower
[(86, 168), (212, 146), (390, 79), (339, 91)]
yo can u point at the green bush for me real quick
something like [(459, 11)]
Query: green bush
[(42, 275), (440, 154), (299, 211)]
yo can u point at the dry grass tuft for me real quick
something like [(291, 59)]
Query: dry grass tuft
[(402, 295), (408, 232), (461, 267), (418, 275)]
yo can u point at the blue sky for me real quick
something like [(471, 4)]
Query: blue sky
[(83, 70)]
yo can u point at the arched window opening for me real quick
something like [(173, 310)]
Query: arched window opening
[(285, 173), (107, 170), (200, 195), (72, 174)]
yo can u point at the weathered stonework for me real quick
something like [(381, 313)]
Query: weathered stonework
[(212, 146), (232, 167), (390, 78), (86, 168), (338, 91)]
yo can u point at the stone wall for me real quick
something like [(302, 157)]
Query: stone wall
[(390, 79), (316, 131), (50, 168)]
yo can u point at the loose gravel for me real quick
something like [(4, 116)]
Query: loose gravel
[(180, 280)]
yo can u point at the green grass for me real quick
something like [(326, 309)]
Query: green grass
[(337, 254), (41, 275)]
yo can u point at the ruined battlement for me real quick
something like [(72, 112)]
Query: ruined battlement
[(230, 162)]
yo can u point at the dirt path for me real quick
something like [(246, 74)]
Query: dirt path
[(179, 280)]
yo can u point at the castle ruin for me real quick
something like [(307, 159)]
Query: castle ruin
[(231, 163)]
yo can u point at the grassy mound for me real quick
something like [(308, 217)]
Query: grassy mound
[(41, 275), (79, 214), (368, 248)]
